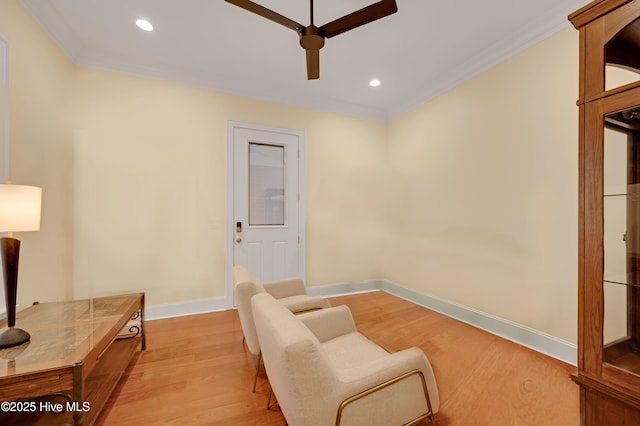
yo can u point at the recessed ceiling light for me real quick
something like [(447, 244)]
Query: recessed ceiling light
[(143, 24), (374, 83)]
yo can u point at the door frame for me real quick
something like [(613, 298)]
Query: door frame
[(231, 126)]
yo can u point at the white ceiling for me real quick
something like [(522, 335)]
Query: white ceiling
[(424, 49)]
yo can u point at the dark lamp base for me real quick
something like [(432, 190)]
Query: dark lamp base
[(13, 337)]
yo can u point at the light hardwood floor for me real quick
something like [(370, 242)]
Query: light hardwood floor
[(196, 371)]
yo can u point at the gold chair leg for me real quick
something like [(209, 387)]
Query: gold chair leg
[(255, 379)]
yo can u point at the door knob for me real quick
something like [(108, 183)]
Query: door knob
[(238, 240)]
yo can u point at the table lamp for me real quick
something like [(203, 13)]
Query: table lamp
[(19, 211)]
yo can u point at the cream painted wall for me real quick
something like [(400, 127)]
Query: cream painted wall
[(40, 83), (150, 181), (487, 214)]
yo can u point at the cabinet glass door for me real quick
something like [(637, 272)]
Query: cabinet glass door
[(621, 242)]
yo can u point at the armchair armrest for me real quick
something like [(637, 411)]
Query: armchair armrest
[(362, 378), (428, 414), (243, 294), (285, 288), (329, 323)]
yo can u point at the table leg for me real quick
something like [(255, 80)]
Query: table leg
[(144, 338), (78, 393)]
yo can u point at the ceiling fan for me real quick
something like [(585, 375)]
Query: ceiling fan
[(312, 37)]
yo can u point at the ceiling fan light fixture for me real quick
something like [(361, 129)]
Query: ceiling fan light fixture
[(375, 83), (145, 25)]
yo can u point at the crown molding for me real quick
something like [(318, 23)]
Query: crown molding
[(537, 31)]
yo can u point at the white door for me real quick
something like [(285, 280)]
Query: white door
[(267, 227)]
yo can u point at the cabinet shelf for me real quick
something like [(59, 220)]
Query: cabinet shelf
[(626, 194), (623, 354), (632, 280)]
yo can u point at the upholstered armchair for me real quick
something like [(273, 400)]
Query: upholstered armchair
[(324, 372), (290, 293)]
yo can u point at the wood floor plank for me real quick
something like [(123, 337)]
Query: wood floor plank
[(196, 371)]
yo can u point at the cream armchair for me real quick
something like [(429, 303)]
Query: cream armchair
[(290, 293), (324, 372)]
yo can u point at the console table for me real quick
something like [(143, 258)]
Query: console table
[(78, 350)]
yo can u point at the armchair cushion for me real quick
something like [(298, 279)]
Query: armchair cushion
[(329, 323), (285, 288), (304, 303), (352, 350)]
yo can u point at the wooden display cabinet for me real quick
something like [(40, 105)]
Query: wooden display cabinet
[(609, 212)]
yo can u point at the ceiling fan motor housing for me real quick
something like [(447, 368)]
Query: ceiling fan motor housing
[(310, 39)]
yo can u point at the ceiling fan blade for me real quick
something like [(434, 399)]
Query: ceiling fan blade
[(267, 13), (313, 64), (358, 18)]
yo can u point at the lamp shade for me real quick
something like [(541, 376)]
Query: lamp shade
[(20, 208)]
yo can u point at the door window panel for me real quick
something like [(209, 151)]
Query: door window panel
[(266, 184)]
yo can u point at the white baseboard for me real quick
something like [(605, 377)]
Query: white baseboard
[(345, 288), (525, 336), (181, 309)]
